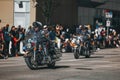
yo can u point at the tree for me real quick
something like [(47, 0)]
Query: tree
[(48, 7)]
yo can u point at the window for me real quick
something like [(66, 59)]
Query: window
[(22, 6), (22, 13)]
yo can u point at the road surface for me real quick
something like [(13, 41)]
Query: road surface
[(103, 65)]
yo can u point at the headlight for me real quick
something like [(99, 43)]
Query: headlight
[(40, 47), (29, 45), (75, 46), (29, 40), (78, 41)]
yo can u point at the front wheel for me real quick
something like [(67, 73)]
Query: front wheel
[(76, 54), (31, 63), (87, 53)]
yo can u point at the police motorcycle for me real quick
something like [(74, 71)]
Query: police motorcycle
[(65, 46), (81, 47), (93, 42), (41, 53)]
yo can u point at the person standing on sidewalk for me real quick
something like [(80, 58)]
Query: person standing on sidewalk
[(2, 45), (14, 41), (6, 39)]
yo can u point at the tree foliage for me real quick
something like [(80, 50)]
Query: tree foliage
[(48, 7)]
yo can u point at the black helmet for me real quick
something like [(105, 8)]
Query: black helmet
[(37, 24), (86, 28)]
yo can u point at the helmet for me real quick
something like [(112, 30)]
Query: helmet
[(45, 26), (37, 24), (86, 28)]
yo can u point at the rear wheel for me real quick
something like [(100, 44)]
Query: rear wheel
[(51, 65), (76, 54), (87, 51)]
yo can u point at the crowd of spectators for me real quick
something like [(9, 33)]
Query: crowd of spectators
[(10, 34), (107, 38), (15, 35)]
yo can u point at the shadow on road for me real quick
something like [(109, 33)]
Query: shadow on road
[(97, 57), (92, 57), (84, 68), (56, 67)]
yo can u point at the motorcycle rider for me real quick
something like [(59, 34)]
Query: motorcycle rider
[(48, 31), (37, 33), (86, 36), (41, 34), (39, 54)]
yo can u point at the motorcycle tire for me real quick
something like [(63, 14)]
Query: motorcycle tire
[(30, 62), (87, 53), (94, 48), (76, 54), (51, 65), (63, 50)]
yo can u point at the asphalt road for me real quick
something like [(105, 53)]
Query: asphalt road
[(103, 65)]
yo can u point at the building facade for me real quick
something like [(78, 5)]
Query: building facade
[(75, 12), (6, 12), (17, 12), (66, 12)]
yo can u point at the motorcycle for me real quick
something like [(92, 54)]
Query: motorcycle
[(81, 48), (65, 46), (39, 54), (93, 45)]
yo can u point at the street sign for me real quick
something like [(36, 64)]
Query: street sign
[(108, 14), (108, 23)]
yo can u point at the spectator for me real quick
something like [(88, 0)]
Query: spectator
[(103, 35), (52, 34), (6, 39), (67, 34), (1, 34), (46, 32), (14, 41), (21, 38), (30, 30), (1, 46), (59, 29)]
